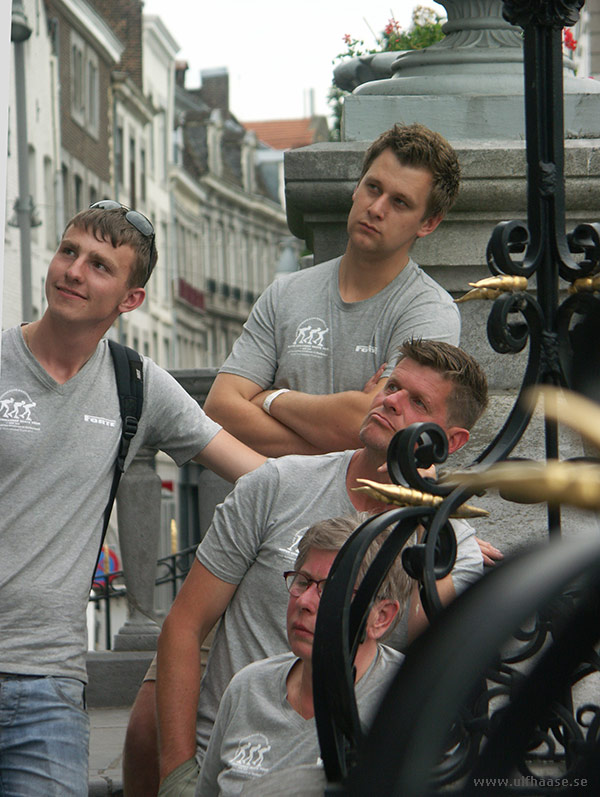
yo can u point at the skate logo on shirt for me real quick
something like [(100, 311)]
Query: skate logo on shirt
[(292, 550), (16, 411), (312, 338), (250, 754)]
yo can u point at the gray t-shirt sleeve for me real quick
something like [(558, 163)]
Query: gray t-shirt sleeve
[(254, 354), (232, 542), (172, 421)]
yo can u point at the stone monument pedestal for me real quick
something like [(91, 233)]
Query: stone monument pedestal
[(319, 184)]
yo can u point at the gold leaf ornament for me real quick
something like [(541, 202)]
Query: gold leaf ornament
[(405, 496), (492, 287), (573, 483)]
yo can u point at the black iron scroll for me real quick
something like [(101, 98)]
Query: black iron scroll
[(564, 348)]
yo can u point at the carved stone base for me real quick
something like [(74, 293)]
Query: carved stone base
[(487, 117), (115, 677), (137, 635)]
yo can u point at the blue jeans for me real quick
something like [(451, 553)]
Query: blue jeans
[(44, 737)]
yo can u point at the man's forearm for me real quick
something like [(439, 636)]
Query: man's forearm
[(236, 413), (328, 422), (229, 457), (177, 691)]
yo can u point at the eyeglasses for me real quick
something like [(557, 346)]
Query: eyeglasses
[(297, 583), (136, 219)]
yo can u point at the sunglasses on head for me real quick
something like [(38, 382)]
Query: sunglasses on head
[(136, 219)]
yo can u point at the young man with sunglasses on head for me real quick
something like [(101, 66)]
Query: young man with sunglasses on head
[(60, 428)]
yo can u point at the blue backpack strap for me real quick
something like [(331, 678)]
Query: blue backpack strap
[(129, 375)]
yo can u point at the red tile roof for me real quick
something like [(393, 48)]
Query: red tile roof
[(290, 133)]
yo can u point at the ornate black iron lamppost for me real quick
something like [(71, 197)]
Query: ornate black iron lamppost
[(431, 728)]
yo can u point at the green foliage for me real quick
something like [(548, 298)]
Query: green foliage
[(425, 30)]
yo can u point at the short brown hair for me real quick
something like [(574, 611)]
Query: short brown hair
[(469, 397), (417, 145), (330, 535), (112, 226)]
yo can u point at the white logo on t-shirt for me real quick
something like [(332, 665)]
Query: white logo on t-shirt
[(292, 549), (16, 411), (311, 338), (99, 421), (250, 754)]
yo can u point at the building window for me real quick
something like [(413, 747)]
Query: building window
[(161, 146), (33, 185), (85, 90), (77, 79), (143, 175), (132, 173), (78, 182), (165, 261), (178, 146), (119, 169), (49, 203), (66, 192), (93, 94), (152, 151)]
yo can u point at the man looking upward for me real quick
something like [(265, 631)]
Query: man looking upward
[(254, 537), (57, 378)]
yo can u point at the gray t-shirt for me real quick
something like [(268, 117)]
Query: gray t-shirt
[(59, 444), (254, 538), (257, 731), (301, 335)]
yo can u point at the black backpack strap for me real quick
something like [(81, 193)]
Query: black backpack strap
[(129, 376)]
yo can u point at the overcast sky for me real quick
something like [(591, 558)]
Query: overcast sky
[(274, 56)]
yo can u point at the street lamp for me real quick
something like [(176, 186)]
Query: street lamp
[(19, 33), (19, 27)]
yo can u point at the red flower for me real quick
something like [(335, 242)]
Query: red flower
[(569, 41), (347, 38)]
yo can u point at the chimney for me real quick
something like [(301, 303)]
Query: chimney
[(215, 87), (181, 67), (125, 20)]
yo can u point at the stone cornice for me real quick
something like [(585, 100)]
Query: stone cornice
[(95, 27), (132, 98)]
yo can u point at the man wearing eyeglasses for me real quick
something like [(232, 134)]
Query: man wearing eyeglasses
[(254, 537), (60, 428), (265, 723)]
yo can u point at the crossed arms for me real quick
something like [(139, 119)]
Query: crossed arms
[(298, 423)]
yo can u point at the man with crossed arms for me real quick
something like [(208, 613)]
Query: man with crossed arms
[(309, 361)]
